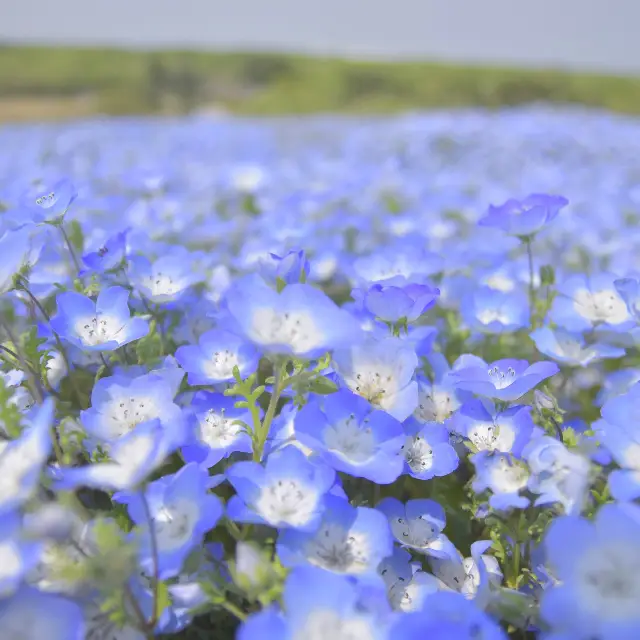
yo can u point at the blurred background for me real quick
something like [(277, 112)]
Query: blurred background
[(75, 58)]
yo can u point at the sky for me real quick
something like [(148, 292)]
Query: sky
[(599, 35)]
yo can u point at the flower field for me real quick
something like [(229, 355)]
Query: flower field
[(322, 378)]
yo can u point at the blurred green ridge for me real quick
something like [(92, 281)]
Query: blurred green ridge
[(110, 81)]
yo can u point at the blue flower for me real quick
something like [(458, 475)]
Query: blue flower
[(289, 491), (300, 321), (407, 584), (504, 475), (396, 299), (587, 301), (439, 398), (557, 474), (524, 217), (427, 450), (418, 524), (381, 371), (571, 348), (629, 290), (488, 429), (181, 510), (619, 432), (214, 358), (120, 404), (291, 268), (110, 255), (597, 565), (166, 279), (352, 437), (22, 460), (314, 600), (103, 325), (50, 202), (217, 429), (350, 540), (18, 554), (132, 458), (14, 249), (505, 380), (445, 616), (32, 615), (491, 311)]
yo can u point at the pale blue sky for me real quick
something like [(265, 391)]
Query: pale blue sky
[(587, 34)]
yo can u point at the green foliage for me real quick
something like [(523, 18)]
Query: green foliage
[(130, 82), (10, 415)]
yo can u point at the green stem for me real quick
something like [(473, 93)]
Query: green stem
[(34, 383), (70, 247), (61, 348), (234, 610), (156, 561), (271, 412), (532, 292)]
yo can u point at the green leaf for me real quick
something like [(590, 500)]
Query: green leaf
[(149, 348), (76, 236), (322, 386), (547, 275)]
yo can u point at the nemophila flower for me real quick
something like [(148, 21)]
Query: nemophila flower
[(283, 432), (619, 432), (103, 325), (598, 566), (214, 358), (381, 371), (350, 540), (402, 258), (182, 511), (120, 404), (300, 321), (110, 255), (32, 615), (629, 290), (132, 458), (571, 348), (165, 279), (290, 268), (289, 491), (396, 299), (216, 429), (407, 585), (524, 217), (505, 380), (472, 577), (18, 555), (504, 475), (444, 616), (14, 249), (418, 524), (427, 450), (557, 474), (352, 437), (587, 301), (440, 398), (317, 604), (491, 311), (47, 203), (487, 429), (616, 383), (22, 460)]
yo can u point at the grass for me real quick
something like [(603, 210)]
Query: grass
[(38, 82)]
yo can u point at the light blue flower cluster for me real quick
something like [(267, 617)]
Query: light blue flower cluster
[(331, 381)]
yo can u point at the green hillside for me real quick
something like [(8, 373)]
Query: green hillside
[(65, 82)]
